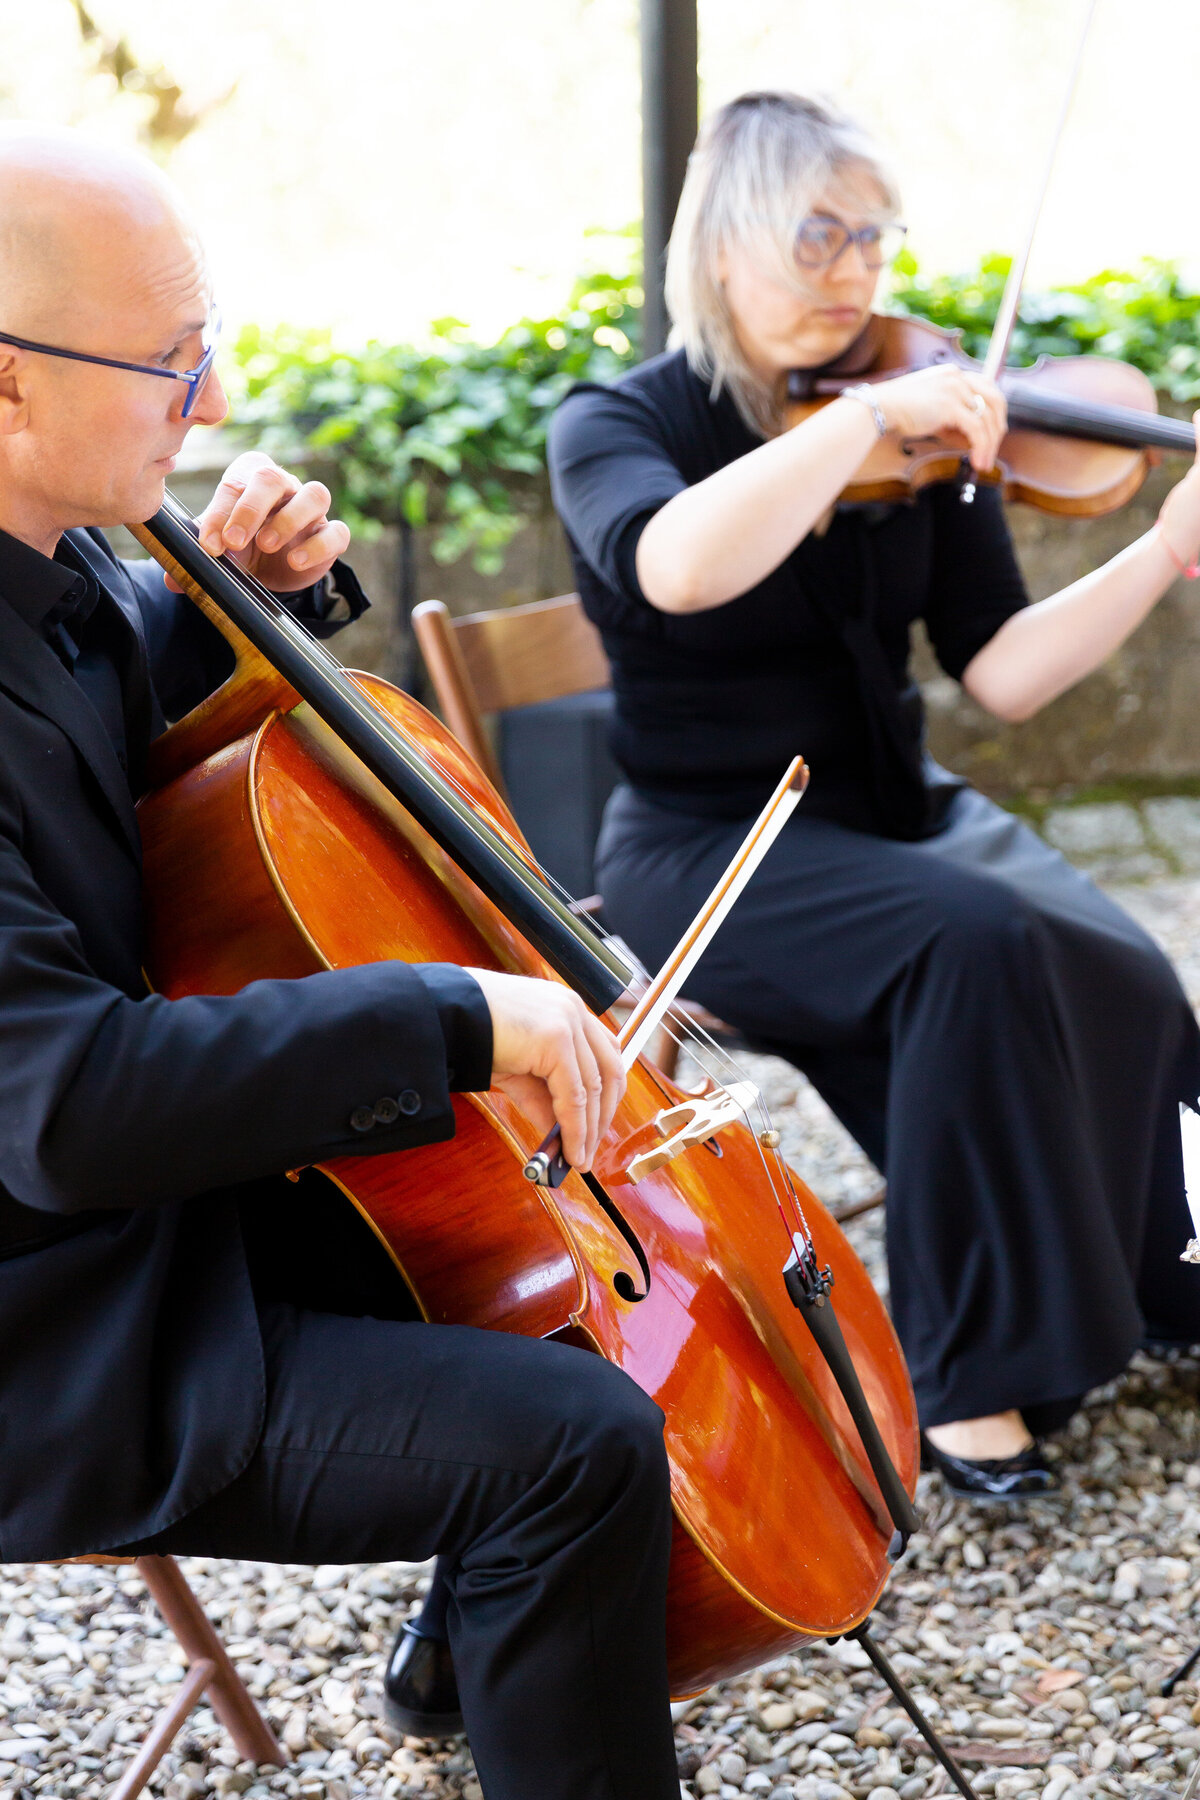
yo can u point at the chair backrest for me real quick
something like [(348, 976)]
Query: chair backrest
[(515, 656)]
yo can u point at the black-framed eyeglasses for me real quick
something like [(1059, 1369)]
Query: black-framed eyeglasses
[(820, 240), (195, 378)]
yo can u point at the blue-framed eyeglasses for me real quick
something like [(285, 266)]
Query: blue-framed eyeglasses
[(820, 240), (195, 378)]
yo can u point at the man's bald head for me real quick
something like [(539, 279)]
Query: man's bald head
[(97, 259), (82, 225)]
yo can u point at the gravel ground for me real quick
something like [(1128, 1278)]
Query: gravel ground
[(1038, 1643)]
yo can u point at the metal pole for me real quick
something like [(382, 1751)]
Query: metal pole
[(883, 1667), (670, 112)]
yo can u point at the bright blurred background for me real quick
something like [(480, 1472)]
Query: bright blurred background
[(361, 170), (374, 166)]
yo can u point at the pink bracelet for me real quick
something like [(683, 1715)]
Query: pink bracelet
[(1190, 571)]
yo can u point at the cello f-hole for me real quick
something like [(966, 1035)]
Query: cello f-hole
[(623, 1282)]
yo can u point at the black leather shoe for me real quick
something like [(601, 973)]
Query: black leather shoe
[(420, 1692), (1026, 1476)]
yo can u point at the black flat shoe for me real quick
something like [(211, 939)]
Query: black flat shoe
[(420, 1692), (1026, 1476)]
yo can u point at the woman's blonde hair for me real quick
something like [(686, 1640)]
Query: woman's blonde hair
[(760, 164)]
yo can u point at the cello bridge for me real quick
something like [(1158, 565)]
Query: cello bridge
[(693, 1122)]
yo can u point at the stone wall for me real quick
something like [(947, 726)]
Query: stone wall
[(1136, 717)]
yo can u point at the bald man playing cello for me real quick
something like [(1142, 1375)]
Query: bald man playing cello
[(174, 1377)]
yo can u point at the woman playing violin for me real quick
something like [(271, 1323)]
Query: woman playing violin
[(1004, 1042)]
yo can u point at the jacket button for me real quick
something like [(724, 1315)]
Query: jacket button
[(362, 1118), (410, 1102), (387, 1110)]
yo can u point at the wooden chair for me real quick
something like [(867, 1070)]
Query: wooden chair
[(210, 1672), (489, 662)]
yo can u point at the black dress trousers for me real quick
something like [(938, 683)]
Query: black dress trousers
[(537, 1472), (1003, 1041)]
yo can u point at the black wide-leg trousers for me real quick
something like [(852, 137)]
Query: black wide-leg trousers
[(537, 1472), (1004, 1042)]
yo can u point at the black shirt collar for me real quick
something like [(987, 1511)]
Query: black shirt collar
[(45, 591)]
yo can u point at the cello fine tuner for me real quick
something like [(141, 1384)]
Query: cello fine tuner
[(1192, 1253), (769, 1139)]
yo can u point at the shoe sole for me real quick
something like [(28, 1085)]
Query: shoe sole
[(424, 1725), (929, 1467), (972, 1499)]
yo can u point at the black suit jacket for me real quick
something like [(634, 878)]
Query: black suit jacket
[(131, 1384)]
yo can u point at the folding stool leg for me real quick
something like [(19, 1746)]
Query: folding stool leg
[(227, 1692), (165, 1727)]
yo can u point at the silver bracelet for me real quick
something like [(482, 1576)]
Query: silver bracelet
[(863, 392)]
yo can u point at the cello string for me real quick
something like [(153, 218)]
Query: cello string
[(702, 1045), (674, 1015), (714, 1060), (677, 1025), (683, 1030), (486, 825)]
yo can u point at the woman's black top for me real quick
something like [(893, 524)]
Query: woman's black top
[(710, 706)]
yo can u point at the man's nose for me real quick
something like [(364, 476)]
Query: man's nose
[(212, 403)]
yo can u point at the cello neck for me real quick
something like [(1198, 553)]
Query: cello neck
[(570, 946), (1033, 409)]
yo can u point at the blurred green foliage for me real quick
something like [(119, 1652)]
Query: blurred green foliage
[(1143, 316), (433, 435)]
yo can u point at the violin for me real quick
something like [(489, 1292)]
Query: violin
[(1083, 431), (305, 818)]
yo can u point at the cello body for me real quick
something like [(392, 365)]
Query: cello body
[(278, 854)]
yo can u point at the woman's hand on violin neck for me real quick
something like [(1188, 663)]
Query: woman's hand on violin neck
[(554, 1059), (931, 402), (276, 526), (1180, 515)]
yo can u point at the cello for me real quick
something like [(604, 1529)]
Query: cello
[(302, 818)]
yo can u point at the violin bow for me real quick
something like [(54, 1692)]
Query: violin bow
[(1006, 318)]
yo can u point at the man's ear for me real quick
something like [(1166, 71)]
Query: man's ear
[(14, 395)]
